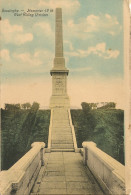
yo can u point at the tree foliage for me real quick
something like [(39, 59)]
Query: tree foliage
[(103, 126), (26, 106), (19, 130), (35, 106), (12, 107), (109, 105)]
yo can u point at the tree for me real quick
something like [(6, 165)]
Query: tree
[(26, 105), (109, 105), (35, 106), (7, 106), (17, 106), (23, 106), (86, 107), (12, 107)]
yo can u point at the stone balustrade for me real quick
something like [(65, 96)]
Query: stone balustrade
[(109, 173), (73, 132), (49, 136), (19, 179)]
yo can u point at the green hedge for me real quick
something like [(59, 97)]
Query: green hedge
[(20, 129), (104, 127)]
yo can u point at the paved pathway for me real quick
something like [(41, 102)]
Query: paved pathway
[(64, 173)]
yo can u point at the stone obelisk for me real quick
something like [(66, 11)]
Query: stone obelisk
[(59, 72)]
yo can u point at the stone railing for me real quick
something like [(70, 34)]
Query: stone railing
[(109, 173), (73, 132), (19, 179), (49, 136)]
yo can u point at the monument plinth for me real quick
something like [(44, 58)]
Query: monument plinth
[(59, 72)]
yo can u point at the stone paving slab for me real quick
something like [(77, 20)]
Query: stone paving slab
[(54, 185), (54, 173), (52, 191), (58, 162), (64, 173), (76, 173), (76, 178), (54, 178)]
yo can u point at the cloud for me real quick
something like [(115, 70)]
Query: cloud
[(37, 62), (27, 58), (46, 29), (99, 50), (14, 33), (84, 28), (5, 54), (81, 69), (68, 45), (69, 6), (106, 23)]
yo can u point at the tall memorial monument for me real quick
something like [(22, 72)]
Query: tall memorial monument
[(61, 131), (59, 72)]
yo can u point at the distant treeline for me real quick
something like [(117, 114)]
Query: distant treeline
[(106, 105), (25, 106)]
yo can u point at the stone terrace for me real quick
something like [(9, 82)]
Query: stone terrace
[(64, 173)]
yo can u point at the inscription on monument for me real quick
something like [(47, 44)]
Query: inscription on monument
[(59, 85)]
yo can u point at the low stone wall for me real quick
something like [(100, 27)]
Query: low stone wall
[(19, 179), (109, 173)]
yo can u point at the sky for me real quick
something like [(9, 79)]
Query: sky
[(93, 50)]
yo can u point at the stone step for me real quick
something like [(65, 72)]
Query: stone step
[(54, 135), (59, 128), (61, 121), (61, 125), (62, 146), (62, 138), (61, 131), (62, 150), (60, 135), (66, 119), (62, 141), (59, 116), (55, 127)]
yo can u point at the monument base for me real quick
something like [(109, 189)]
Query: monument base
[(59, 101)]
